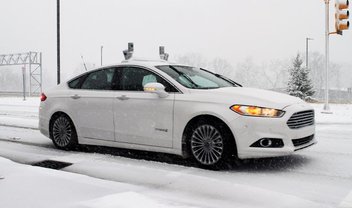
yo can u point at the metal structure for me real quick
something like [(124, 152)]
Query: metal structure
[(32, 61)]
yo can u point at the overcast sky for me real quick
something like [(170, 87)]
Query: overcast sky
[(231, 29)]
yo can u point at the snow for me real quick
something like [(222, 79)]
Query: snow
[(14, 111), (316, 177), (341, 114), (27, 186)]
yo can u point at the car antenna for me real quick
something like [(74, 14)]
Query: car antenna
[(84, 63)]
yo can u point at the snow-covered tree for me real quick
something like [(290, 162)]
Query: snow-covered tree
[(299, 84)]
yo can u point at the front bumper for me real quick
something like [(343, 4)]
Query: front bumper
[(248, 130)]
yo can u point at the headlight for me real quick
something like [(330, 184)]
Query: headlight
[(247, 110)]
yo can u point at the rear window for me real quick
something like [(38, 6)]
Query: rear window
[(75, 84)]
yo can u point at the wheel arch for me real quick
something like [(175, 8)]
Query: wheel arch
[(208, 117)]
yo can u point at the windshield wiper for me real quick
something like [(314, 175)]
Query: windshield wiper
[(185, 76), (208, 88), (224, 78), (229, 80)]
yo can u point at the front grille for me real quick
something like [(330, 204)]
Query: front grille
[(302, 141), (301, 119)]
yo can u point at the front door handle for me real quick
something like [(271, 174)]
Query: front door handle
[(75, 97), (123, 97)]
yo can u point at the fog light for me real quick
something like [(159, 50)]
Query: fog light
[(265, 142), (268, 143)]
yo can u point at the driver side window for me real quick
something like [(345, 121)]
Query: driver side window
[(134, 79)]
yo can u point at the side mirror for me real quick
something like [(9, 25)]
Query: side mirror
[(156, 88)]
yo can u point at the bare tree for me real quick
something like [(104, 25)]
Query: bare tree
[(217, 65), (221, 66), (317, 72), (316, 69), (11, 79), (275, 73), (248, 74), (192, 59)]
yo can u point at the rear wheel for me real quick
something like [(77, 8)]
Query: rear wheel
[(63, 133)]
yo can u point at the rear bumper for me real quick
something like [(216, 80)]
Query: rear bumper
[(43, 122), (248, 130)]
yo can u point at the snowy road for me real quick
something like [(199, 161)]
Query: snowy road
[(317, 177)]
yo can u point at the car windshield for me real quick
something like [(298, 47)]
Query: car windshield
[(196, 78)]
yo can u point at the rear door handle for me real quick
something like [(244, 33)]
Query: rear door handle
[(75, 97), (123, 97)]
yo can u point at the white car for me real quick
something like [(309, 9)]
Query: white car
[(163, 107)]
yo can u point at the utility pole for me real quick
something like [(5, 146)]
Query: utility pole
[(24, 81), (326, 105), (101, 55), (58, 39), (307, 50), (341, 23)]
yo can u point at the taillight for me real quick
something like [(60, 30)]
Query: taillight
[(42, 97)]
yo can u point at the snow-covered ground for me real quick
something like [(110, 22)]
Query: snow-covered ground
[(317, 177)]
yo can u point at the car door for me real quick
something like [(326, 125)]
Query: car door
[(92, 105), (140, 117)]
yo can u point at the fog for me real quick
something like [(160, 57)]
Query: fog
[(261, 35)]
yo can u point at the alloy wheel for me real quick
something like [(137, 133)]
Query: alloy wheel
[(62, 131), (207, 144)]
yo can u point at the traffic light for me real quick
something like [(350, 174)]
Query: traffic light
[(341, 16)]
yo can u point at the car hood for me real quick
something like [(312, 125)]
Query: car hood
[(251, 96)]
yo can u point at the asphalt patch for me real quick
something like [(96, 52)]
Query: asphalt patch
[(52, 164)]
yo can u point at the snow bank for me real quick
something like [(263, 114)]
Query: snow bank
[(28, 186), (14, 111), (340, 114), (125, 200)]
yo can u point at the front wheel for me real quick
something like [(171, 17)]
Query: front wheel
[(209, 143), (63, 133)]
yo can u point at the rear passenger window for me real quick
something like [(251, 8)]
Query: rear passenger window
[(75, 84), (99, 80)]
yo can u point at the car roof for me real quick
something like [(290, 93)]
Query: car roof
[(139, 62)]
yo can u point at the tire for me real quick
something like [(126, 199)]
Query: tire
[(210, 144), (63, 133)]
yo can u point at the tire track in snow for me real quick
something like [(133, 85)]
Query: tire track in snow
[(17, 126)]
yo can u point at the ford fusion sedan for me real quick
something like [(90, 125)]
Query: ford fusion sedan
[(171, 108)]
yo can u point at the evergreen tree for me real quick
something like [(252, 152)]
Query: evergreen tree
[(299, 84)]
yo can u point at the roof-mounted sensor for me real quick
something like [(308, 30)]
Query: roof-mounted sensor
[(163, 55), (129, 52)]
